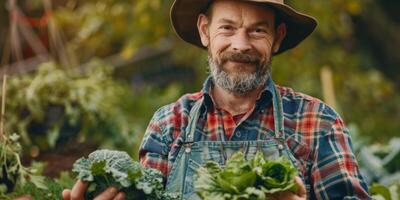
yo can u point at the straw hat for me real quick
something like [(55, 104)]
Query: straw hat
[(184, 15)]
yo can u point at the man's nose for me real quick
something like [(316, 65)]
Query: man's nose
[(241, 42)]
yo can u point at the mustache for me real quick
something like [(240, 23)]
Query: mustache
[(240, 57)]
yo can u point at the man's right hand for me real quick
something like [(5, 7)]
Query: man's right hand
[(79, 190)]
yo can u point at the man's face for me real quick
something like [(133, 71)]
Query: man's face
[(241, 38)]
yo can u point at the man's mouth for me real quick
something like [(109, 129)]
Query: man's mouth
[(241, 62)]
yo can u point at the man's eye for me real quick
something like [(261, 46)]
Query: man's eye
[(259, 30), (228, 28)]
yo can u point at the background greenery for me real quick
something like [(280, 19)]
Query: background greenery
[(112, 63)]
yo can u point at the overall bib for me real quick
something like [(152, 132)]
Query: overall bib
[(194, 154)]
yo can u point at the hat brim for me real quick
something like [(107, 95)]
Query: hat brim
[(184, 14)]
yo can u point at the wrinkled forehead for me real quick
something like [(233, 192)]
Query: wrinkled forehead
[(239, 10)]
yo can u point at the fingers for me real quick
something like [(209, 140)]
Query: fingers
[(66, 194), (78, 191), (120, 196), (301, 191), (110, 193)]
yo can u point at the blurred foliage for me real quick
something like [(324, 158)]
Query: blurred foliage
[(112, 26), (379, 163), (12, 173), (52, 106), (365, 97), (52, 101), (18, 180), (381, 192)]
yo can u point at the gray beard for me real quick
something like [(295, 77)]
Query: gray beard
[(242, 84)]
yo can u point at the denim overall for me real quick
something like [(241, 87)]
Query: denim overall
[(194, 154)]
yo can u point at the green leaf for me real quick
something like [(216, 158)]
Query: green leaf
[(258, 162), (3, 188), (377, 189), (236, 182), (278, 176), (53, 190), (14, 137), (235, 162), (255, 193), (105, 168), (245, 179), (39, 182), (205, 179), (98, 168), (66, 180), (212, 167), (52, 136), (134, 174)]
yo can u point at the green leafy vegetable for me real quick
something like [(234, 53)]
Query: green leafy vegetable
[(379, 191), (53, 105), (52, 192), (17, 180), (105, 168), (277, 176), (12, 172), (245, 179)]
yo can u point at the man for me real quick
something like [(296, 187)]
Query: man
[(241, 109)]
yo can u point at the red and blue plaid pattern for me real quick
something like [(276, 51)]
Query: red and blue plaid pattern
[(315, 134)]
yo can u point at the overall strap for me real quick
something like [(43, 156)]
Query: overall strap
[(279, 128), (278, 121), (192, 121), (278, 114), (176, 181)]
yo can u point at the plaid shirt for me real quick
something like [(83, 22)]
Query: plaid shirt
[(315, 134)]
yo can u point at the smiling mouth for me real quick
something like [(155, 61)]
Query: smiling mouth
[(241, 62)]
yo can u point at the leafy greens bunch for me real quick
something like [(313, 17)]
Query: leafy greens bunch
[(382, 192), (256, 178), (17, 180), (54, 105), (12, 173), (105, 168)]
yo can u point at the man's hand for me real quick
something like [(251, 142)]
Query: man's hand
[(79, 189), (300, 195)]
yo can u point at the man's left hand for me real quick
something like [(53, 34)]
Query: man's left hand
[(301, 193)]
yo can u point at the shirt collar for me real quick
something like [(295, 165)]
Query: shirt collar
[(264, 99)]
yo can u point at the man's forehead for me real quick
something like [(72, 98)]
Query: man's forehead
[(241, 4), (241, 10)]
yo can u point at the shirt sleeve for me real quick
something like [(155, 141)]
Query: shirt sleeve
[(335, 173), (153, 151)]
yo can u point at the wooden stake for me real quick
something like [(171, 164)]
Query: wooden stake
[(3, 106), (327, 87)]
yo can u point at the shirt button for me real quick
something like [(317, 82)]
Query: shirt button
[(238, 134), (280, 147)]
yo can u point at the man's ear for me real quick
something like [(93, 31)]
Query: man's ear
[(202, 26), (279, 36)]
